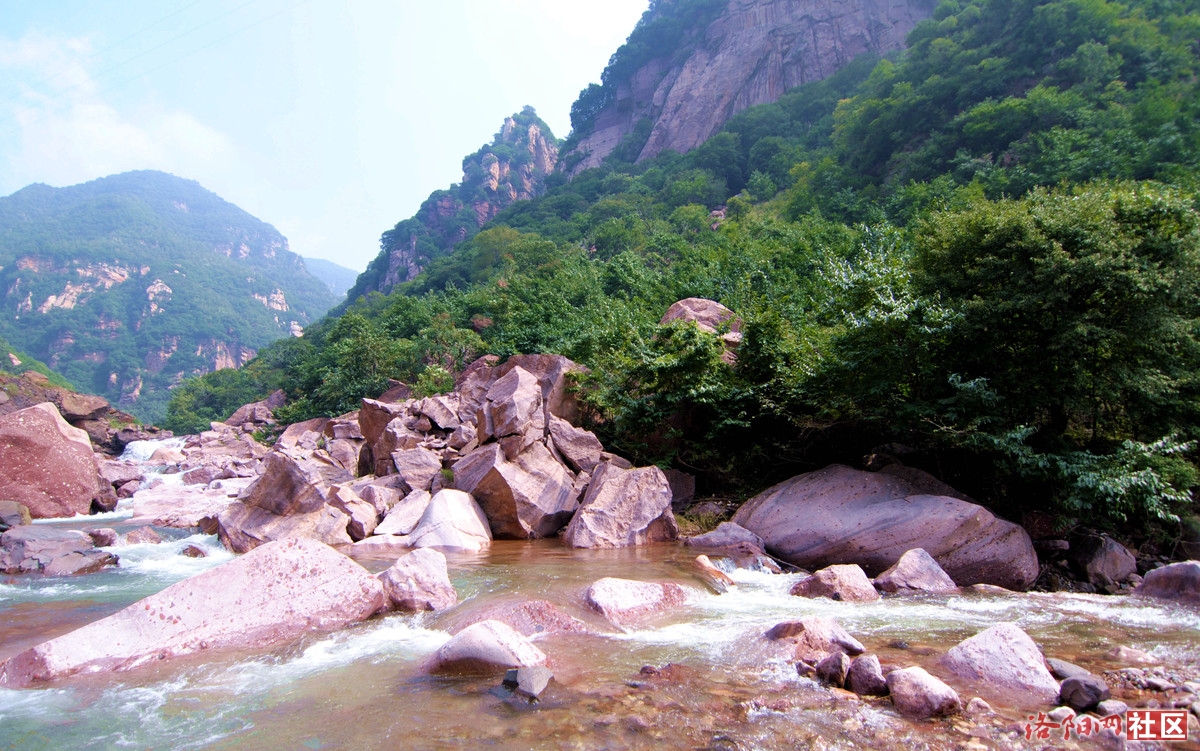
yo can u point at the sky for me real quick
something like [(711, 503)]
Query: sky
[(330, 119)]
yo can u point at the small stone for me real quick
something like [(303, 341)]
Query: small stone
[(1061, 713), (1132, 656), (1081, 693), (529, 682), (193, 551), (1158, 684), (1111, 707), (978, 707), (865, 677), (103, 537), (833, 669), (1062, 670)]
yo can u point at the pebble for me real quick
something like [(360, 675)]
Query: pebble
[(1110, 707)]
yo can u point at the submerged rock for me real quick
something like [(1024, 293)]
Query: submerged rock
[(272, 594), (815, 638)]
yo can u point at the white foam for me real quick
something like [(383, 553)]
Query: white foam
[(165, 560), (140, 452)]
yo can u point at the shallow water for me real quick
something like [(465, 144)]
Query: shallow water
[(363, 687)]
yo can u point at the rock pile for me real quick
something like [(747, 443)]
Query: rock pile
[(499, 457)]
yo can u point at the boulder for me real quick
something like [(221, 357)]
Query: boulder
[(46, 464), (402, 518), (553, 373), (243, 528), (363, 516), (258, 413), (528, 498), (1131, 656), (623, 507), (302, 434), (528, 682), (180, 506), (865, 677), (1179, 582), (916, 571), (847, 583), (728, 536), (843, 515), (918, 695), (287, 486), (271, 595), (1084, 692), (31, 549), (79, 407), (374, 417), (117, 473), (623, 601), (13, 514), (417, 467), (1100, 560), (514, 405), (485, 647), (815, 638), (442, 410), (716, 579), (1062, 670), (833, 669), (708, 315), (419, 581), (580, 448), (104, 537), (1004, 659), (452, 521), (143, 536)]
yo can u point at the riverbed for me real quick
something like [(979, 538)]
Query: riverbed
[(363, 688)]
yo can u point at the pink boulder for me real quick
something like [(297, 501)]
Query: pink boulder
[(919, 695), (847, 583), (622, 601), (843, 515), (529, 497), (1004, 658), (1178, 581), (623, 507), (815, 638), (419, 581), (916, 571), (46, 464), (274, 594), (485, 647)]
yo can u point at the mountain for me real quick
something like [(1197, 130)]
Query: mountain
[(691, 65), (337, 278), (513, 167), (128, 284)]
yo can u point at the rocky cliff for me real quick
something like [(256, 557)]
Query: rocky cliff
[(511, 168), (690, 65), (128, 284)]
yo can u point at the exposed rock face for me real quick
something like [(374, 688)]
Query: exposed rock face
[(419, 581), (270, 595), (711, 317), (622, 601), (32, 549), (623, 507), (492, 180), (846, 582), (46, 464), (1005, 659), (916, 571), (1178, 581), (485, 647), (750, 54), (843, 515), (919, 695)]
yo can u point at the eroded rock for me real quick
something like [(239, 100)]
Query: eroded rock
[(623, 507), (419, 581)]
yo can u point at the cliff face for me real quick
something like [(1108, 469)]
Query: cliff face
[(512, 168), (753, 52)]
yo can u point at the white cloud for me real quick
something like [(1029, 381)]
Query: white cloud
[(61, 127)]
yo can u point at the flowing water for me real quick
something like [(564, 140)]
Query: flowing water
[(363, 688)]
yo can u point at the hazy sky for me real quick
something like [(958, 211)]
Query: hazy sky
[(331, 119)]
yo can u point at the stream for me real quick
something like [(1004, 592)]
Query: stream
[(364, 688)]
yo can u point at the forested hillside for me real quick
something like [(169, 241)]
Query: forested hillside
[(982, 253), (128, 284)]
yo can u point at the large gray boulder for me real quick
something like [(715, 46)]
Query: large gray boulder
[(842, 515), (623, 507), (274, 594), (530, 497)]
